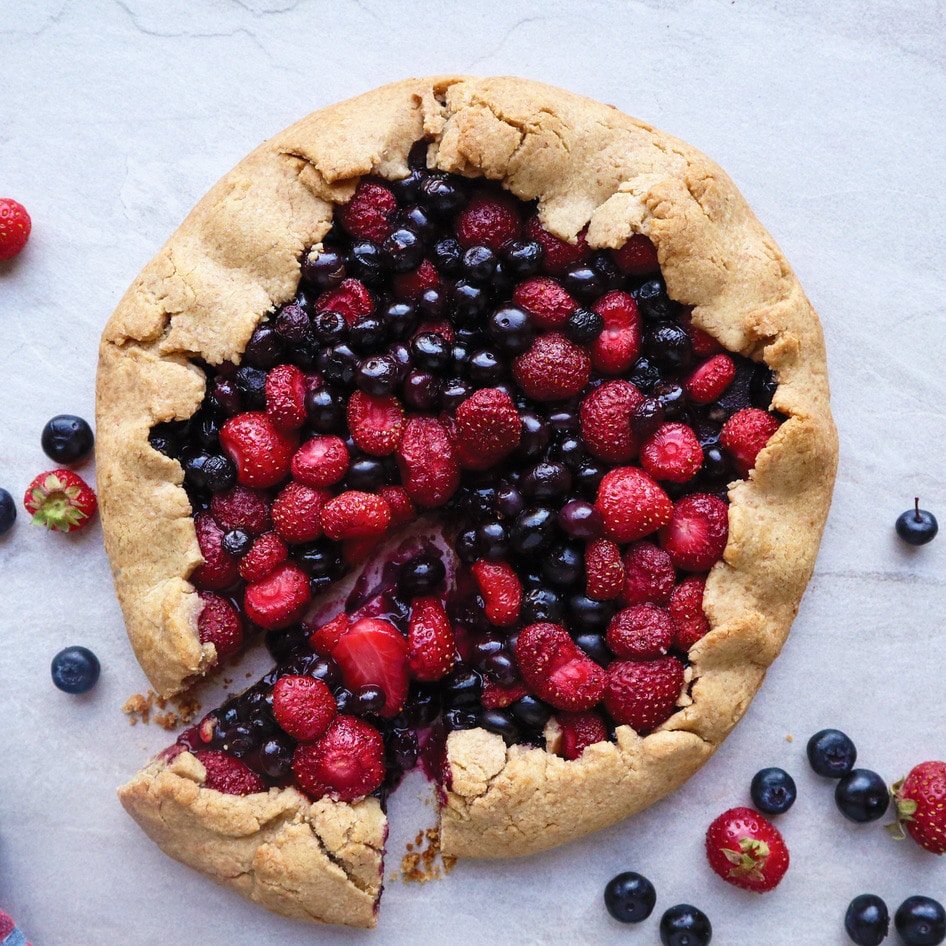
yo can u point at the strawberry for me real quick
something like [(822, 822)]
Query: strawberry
[(500, 695), (427, 459), (558, 254), (351, 298), (219, 623), (702, 343), (412, 285), (279, 599), (489, 219), (605, 416), (241, 508), (367, 216), (745, 434), (556, 669), (356, 551), (637, 257), (545, 300), (501, 591), (303, 706), (267, 551), (552, 369), (604, 570), (285, 397), (321, 461), (686, 610), (227, 774), (324, 638), (373, 652), (746, 850), (632, 504), (641, 632), (261, 452), (296, 512), (696, 535), (402, 509), (218, 570), (649, 574), (578, 731), (15, 226), (376, 423), (618, 345), (61, 501), (642, 694), (488, 427), (354, 514), (346, 763), (921, 806), (709, 380), (431, 647), (673, 453)]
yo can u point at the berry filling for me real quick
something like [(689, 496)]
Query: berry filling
[(517, 449)]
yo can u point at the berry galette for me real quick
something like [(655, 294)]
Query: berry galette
[(501, 420)]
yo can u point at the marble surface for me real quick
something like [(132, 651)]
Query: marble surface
[(117, 115)]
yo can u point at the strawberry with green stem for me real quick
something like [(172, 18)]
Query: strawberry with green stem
[(60, 500)]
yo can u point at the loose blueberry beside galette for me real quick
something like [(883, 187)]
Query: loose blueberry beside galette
[(498, 417)]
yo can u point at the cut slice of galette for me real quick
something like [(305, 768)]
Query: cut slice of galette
[(498, 415)]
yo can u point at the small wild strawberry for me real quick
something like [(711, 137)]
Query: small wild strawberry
[(15, 226), (921, 806), (60, 500), (746, 850)]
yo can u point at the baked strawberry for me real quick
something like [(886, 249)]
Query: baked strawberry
[(60, 500), (746, 850), (921, 806), (241, 508), (558, 254), (324, 638), (632, 504), (285, 397), (673, 454), (553, 368), (367, 216), (219, 623), (546, 300), (641, 632), (227, 774), (376, 423), (267, 551), (489, 219), (604, 570), (709, 380), (488, 428), (501, 591), (321, 461), (431, 647), (686, 610), (303, 706), (219, 569), (296, 512), (351, 299), (642, 694), (606, 421), (427, 459), (702, 343), (279, 599), (346, 763), (649, 574), (619, 344), (402, 509), (637, 257), (15, 226), (411, 286), (697, 532), (260, 451), (556, 669), (745, 434), (373, 652), (355, 514), (500, 695), (578, 731)]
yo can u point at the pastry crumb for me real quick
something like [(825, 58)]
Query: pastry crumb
[(789, 738), (140, 709), (424, 860)]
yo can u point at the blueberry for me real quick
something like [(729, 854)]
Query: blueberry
[(367, 261), (583, 281), (533, 530), (325, 409), (532, 712), (594, 646), (867, 920), (67, 439), (511, 329), (368, 334), (441, 194), (447, 256), (773, 791), (523, 258), (831, 753), (685, 925), (580, 520), (399, 318), (431, 352), (330, 327), (325, 270), (630, 897), (293, 325), (647, 417), (264, 348), (917, 526), (541, 604), (236, 542), (7, 511), (667, 345), (377, 375), (653, 301), (480, 265), (921, 921), (500, 722), (75, 670), (275, 757), (404, 250), (420, 575), (862, 796)]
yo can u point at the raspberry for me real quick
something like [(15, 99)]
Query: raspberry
[(489, 219), (241, 508), (367, 216), (637, 257), (606, 421), (351, 299), (578, 731)]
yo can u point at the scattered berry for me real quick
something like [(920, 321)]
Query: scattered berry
[(831, 753), (630, 897), (920, 799), (746, 850), (15, 226), (7, 511), (862, 796), (867, 920), (67, 439), (60, 500), (920, 921), (642, 694), (227, 774), (773, 791), (75, 670), (917, 526), (685, 925)]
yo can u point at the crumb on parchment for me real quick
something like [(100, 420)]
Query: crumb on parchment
[(142, 708), (423, 860)]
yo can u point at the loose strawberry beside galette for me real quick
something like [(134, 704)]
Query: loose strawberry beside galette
[(503, 423)]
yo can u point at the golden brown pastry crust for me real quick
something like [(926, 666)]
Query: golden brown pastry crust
[(236, 256)]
